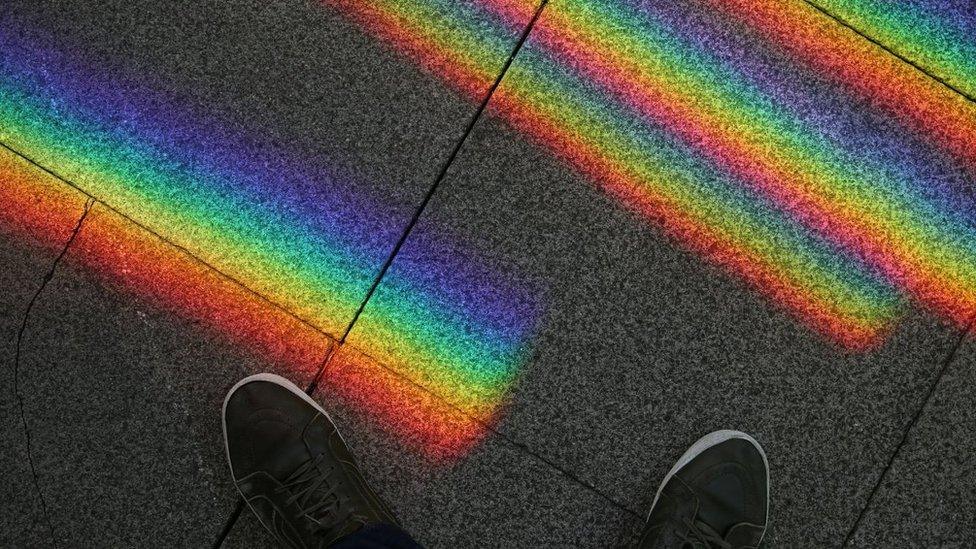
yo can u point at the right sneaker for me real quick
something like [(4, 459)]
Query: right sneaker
[(715, 496), (293, 468)]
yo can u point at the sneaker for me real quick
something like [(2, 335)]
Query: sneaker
[(292, 467), (716, 496)]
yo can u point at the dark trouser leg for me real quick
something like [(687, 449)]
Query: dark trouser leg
[(377, 536)]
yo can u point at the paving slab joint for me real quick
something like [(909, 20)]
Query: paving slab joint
[(446, 166), (933, 386), (923, 70), (103, 203)]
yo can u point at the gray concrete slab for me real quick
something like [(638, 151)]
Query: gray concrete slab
[(606, 320), (127, 355), (925, 497), (37, 217), (496, 495), (281, 143)]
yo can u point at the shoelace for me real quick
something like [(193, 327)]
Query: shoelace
[(702, 535), (316, 497)]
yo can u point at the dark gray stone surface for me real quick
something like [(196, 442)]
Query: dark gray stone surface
[(926, 498), (643, 347), (29, 245), (633, 346), (497, 495), (311, 119), (123, 375)]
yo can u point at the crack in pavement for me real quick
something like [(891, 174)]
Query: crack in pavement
[(16, 368)]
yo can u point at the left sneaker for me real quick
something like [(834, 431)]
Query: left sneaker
[(292, 467), (715, 496)]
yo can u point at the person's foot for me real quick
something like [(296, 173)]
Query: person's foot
[(716, 495), (292, 467)]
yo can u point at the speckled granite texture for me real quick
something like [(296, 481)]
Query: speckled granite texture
[(643, 348), (276, 141), (669, 218), (122, 391), (925, 497), (29, 249)]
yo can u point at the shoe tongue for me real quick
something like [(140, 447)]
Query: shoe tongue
[(723, 497), (282, 449)]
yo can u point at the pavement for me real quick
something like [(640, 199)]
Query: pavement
[(530, 251)]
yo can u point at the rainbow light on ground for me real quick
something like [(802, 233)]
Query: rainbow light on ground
[(884, 80), (250, 212), (937, 36), (253, 212), (720, 151), (718, 159), (39, 207), (34, 209)]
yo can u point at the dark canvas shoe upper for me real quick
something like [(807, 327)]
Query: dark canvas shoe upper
[(716, 496), (292, 467)]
